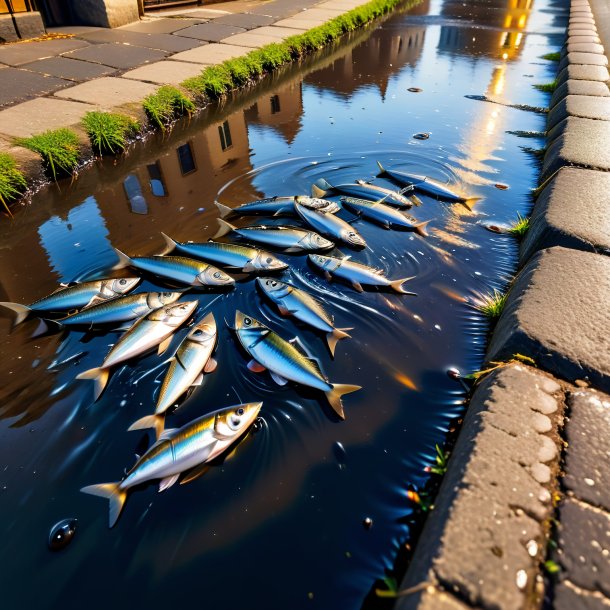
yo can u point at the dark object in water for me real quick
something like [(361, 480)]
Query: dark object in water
[(421, 136), (500, 186), (414, 89), (61, 534), (368, 523)]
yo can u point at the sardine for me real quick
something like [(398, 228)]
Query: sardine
[(155, 329), (284, 361), (278, 206), (290, 239), (331, 225), (294, 302), (76, 296), (177, 268), (180, 450), (356, 273), (383, 214), (246, 258), (364, 190)]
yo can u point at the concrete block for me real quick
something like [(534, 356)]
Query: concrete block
[(583, 59), (165, 72), (160, 25), (105, 13), (584, 47), (246, 21), (7, 29), (108, 92), (571, 211), (582, 38), (211, 54), (557, 313), (579, 87), (485, 534), (25, 85), (162, 42), (262, 36), (578, 72), (582, 30), (583, 106), (71, 69), (30, 25)]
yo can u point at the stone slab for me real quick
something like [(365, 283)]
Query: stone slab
[(245, 21), (582, 30), (581, 21), (577, 141), (582, 38), (30, 24), (165, 72), (571, 211), (70, 69), (587, 467), (557, 313), (433, 599), (578, 72), (108, 92), (17, 54), (25, 85), (568, 597), (301, 23), (343, 5), (584, 59), (486, 530), (584, 47), (117, 55), (39, 115), (584, 106), (211, 32), (211, 54), (163, 42), (7, 29), (259, 38), (579, 87), (160, 25)]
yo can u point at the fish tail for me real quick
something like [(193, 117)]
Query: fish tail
[(382, 169), (335, 336), (224, 210), (397, 285), (334, 396), (99, 376), (415, 200), (224, 228), (124, 260), (470, 201), (318, 192), (156, 421), (420, 228), (116, 496), (22, 311), (170, 244)]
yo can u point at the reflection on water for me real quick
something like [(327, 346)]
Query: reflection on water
[(279, 523)]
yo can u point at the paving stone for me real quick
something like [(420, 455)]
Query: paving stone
[(245, 21), (160, 25), (579, 87), (41, 114), (211, 54), (302, 24), (486, 528), (17, 54), (163, 42), (117, 55), (585, 47), (557, 314), (432, 599), (71, 69), (587, 466), (583, 106), (74, 30), (211, 32), (568, 597), (584, 59), (577, 141), (25, 85), (262, 36), (579, 72), (108, 92), (571, 211), (165, 72)]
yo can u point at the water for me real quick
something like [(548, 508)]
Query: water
[(281, 524)]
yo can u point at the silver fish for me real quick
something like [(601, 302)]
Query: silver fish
[(284, 361), (290, 239), (246, 258), (364, 190), (177, 268), (331, 225), (278, 206), (356, 273), (178, 451), (294, 302), (383, 214), (155, 329), (76, 296)]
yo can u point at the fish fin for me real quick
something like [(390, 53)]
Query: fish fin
[(358, 286), (334, 336), (382, 169), (198, 381), (328, 276), (469, 201), (164, 345), (156, 421), (284, 310), (45, 326), (99, 376), (248, 267), (420, 228), (415, 200), (256, 367), (282, 211), (224, 228), (278, 378), (194, 473), (318, 192), (116, 496), (167, 482), (22, 311), (397, 285), (170, 244), (167, 434), (210, 366), (124, 260), (224, 210), (334, 396)]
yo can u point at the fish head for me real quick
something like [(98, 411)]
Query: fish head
[(119, 286), (174, 315), (265, 261), (231, 423), (273, 288), (159, 299), (212, 276), (316, 242), (316, 203), (326, 263), (204, 331), (353, 238)]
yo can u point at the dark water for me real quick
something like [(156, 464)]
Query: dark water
[(280, 524)]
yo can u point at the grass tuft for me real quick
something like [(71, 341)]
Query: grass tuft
[(491, 305), (556, 56), (520, 227), (12, 181), (108, 132), (58, 148), (547, 87), (166, 104)]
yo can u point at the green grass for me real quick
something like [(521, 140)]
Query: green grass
[(520, 227), (491, 305), (12, 181), (556, 56), (58, 148), (547, 87), (166, 104), (108, 131)]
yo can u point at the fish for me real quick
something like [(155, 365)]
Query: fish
[(154, 329), (278, 206), (178, 451), (363, 190), (294, 302), (425, 184), (245, 258), (331, 225), (383, 214), (76, 296), (285, 362), (178, 268), (356, 273), (291, 239)]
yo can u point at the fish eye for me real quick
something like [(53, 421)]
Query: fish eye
[(239, 411), (247, 321), (274, 284), (352, 234), (122, 282), (269, 259), (198, 332), (167, 294), (217, 275)]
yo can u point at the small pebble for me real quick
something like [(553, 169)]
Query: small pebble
[(500, 186), (414, 89), (368, 523), (421, 136), (61, 534)]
